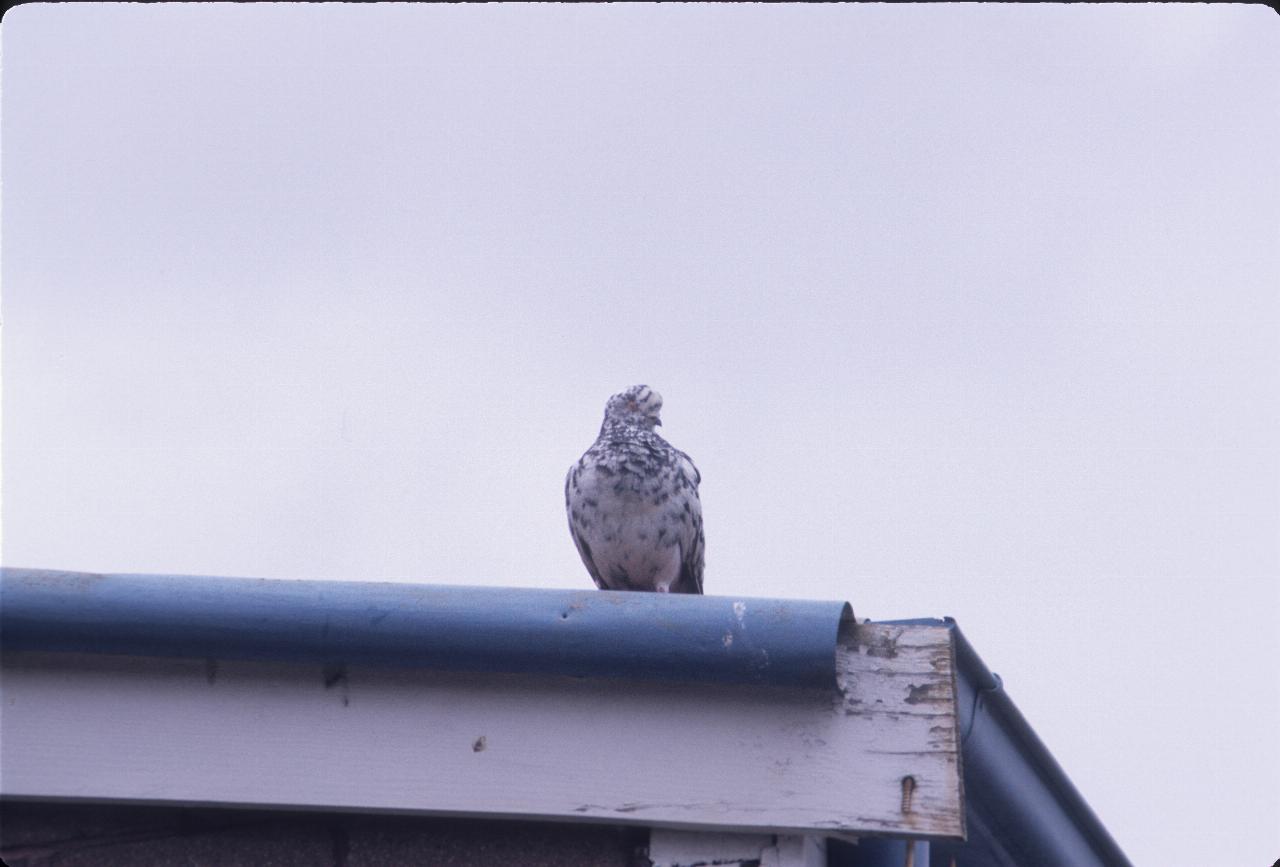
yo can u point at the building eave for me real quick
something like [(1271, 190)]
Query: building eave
[(1021, 807), (715, 714), (645, 636)]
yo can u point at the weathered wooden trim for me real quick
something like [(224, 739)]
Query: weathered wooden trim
[(901, 680), (742, 759)]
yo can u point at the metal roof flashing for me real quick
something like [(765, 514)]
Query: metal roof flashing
[(647, 636)]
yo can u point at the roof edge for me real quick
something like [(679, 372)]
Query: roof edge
[(587, 633), (1021, 807)]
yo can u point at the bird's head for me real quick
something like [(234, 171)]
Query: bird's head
[(638, 406)]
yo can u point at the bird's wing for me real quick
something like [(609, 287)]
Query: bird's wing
[(690, 580), (691, 548), (690, 471), (584, 550)]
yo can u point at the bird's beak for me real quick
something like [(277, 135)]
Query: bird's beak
[(657, 422)]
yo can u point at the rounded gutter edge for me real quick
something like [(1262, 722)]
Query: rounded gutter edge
[(579, 633)]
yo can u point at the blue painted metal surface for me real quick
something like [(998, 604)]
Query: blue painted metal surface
[(1020, 806), (471, 629)]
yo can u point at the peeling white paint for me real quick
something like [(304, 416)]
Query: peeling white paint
[(746, 760)]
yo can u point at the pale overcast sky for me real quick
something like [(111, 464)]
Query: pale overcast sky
[(960, 309)]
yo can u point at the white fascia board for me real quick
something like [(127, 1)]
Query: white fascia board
[(880, 755)]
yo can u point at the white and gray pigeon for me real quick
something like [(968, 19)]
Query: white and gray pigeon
[(633, 503)]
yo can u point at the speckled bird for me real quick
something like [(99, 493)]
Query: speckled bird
[(633, 503)]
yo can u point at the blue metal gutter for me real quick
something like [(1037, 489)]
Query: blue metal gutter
[(467, 629), (1020, 806)]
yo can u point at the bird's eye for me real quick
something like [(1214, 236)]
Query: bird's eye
[(632, 405)]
